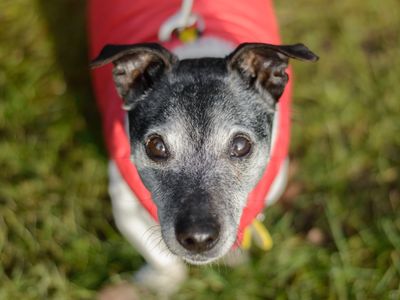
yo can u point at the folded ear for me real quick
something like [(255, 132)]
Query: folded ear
[(263, 66), (136, 68)]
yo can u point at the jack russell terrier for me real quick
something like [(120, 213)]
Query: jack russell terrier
[(198, 144)]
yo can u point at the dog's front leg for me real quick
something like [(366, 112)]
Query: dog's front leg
[(164, 271)]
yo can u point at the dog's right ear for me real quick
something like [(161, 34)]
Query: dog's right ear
[(263, 66), (136, 68)]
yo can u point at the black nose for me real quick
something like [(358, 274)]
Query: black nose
[(197, 236)]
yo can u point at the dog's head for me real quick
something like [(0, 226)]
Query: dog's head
[(200, 133)]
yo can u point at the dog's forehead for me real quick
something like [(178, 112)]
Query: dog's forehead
[(199, 94), (207, 66)]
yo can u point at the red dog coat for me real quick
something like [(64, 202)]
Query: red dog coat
[(128, 22)]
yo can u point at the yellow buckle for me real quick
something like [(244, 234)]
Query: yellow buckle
[(188, 34)]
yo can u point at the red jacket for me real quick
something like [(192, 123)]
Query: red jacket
[(138, 21)]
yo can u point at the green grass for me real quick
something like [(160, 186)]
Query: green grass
[(57, 237)]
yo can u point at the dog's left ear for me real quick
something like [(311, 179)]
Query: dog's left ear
[(136, 68), (263, 65)]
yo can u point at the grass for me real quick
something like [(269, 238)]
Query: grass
[(57, 237)]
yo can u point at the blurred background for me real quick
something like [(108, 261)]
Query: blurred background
[(337, 230)]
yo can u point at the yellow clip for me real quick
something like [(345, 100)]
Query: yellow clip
[(188, 35), (261, 236)]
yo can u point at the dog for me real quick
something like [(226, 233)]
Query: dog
[(200, 123)]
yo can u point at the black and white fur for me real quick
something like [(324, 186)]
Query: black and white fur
[(197, 106)]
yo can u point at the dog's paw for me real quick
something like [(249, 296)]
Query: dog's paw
[(164, 281)]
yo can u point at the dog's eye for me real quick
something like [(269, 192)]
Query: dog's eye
[(156, 148), (240, 146)]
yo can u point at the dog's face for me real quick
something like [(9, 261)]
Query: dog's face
[(200, 134)]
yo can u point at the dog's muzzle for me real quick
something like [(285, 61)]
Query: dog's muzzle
[(196, 229)]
